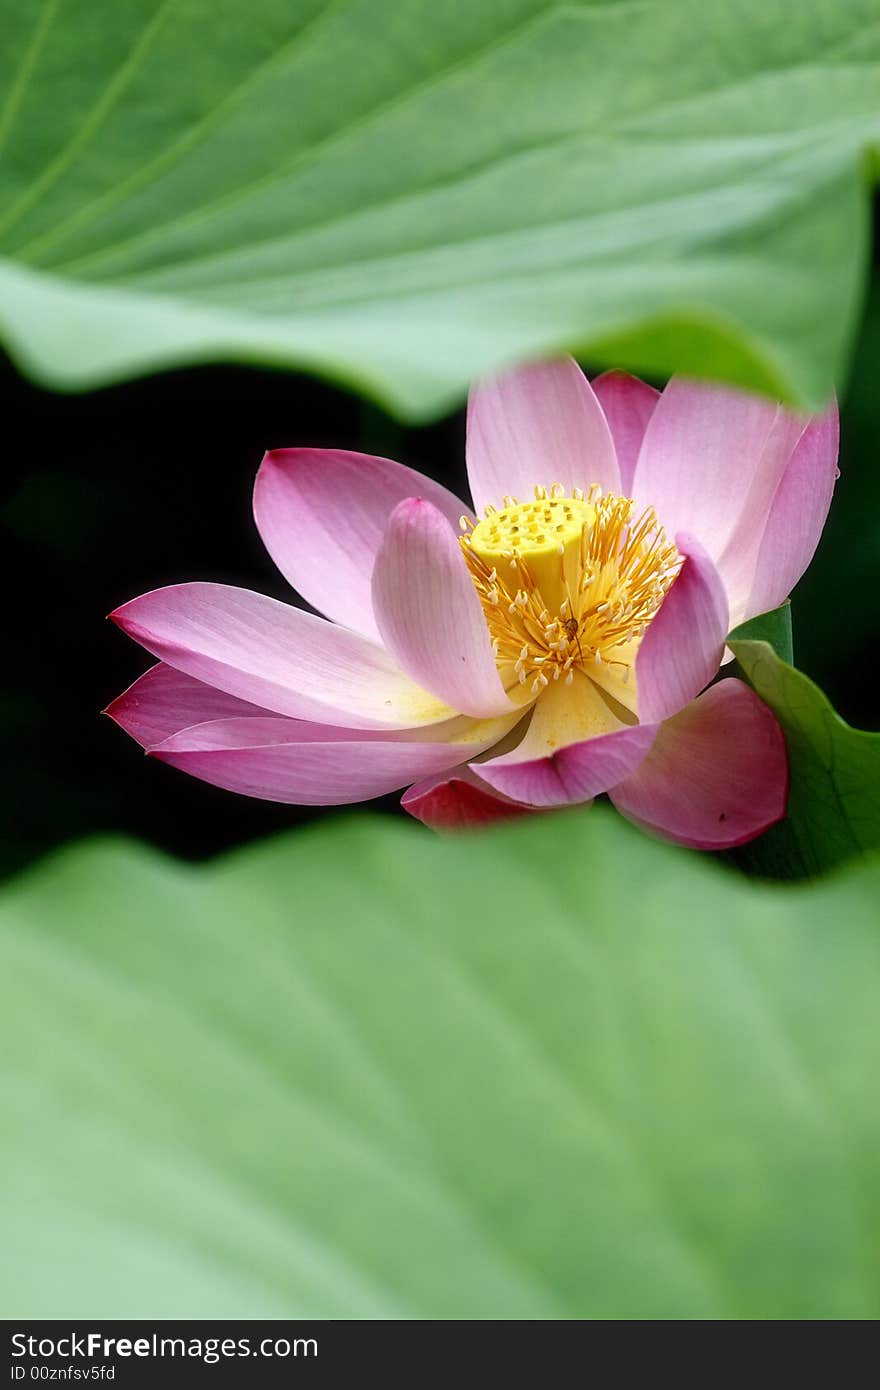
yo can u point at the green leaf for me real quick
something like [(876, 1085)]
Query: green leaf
[(409, 203), (773, 627), (557, 1071), (833, 807)]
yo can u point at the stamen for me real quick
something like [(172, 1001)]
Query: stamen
[(587, 578)]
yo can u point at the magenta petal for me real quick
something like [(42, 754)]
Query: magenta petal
[(429, 615), (797, 514), (305, 764), (710, 462), (572, 774), (683, 647), (716, 776), (276, 656), (628, 404), (458, 800), (322, 514), (163, 701), (539, 424)]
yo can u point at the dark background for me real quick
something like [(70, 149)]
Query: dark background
[(122, 490)]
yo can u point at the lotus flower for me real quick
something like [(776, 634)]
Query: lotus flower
[(559, 641)]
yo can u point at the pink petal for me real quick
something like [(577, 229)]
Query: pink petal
[(307, 764), (683, 647), (458, 800), (322, 514), (429, 614), (797, 514), (537, 424), (162, 701), (575, 773), (573, 748), (276, 656), (710, 462), (628, 404), (716, 776)]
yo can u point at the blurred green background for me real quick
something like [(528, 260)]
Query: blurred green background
[(361, 1071)]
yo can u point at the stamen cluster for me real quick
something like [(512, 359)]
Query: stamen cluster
[(567, 584)]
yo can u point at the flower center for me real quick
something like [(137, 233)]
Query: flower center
[(567, 583)]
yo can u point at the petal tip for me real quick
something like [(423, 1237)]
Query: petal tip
[(121, 616), (458, 802)]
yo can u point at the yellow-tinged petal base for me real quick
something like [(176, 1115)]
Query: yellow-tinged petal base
[(567, 714)]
